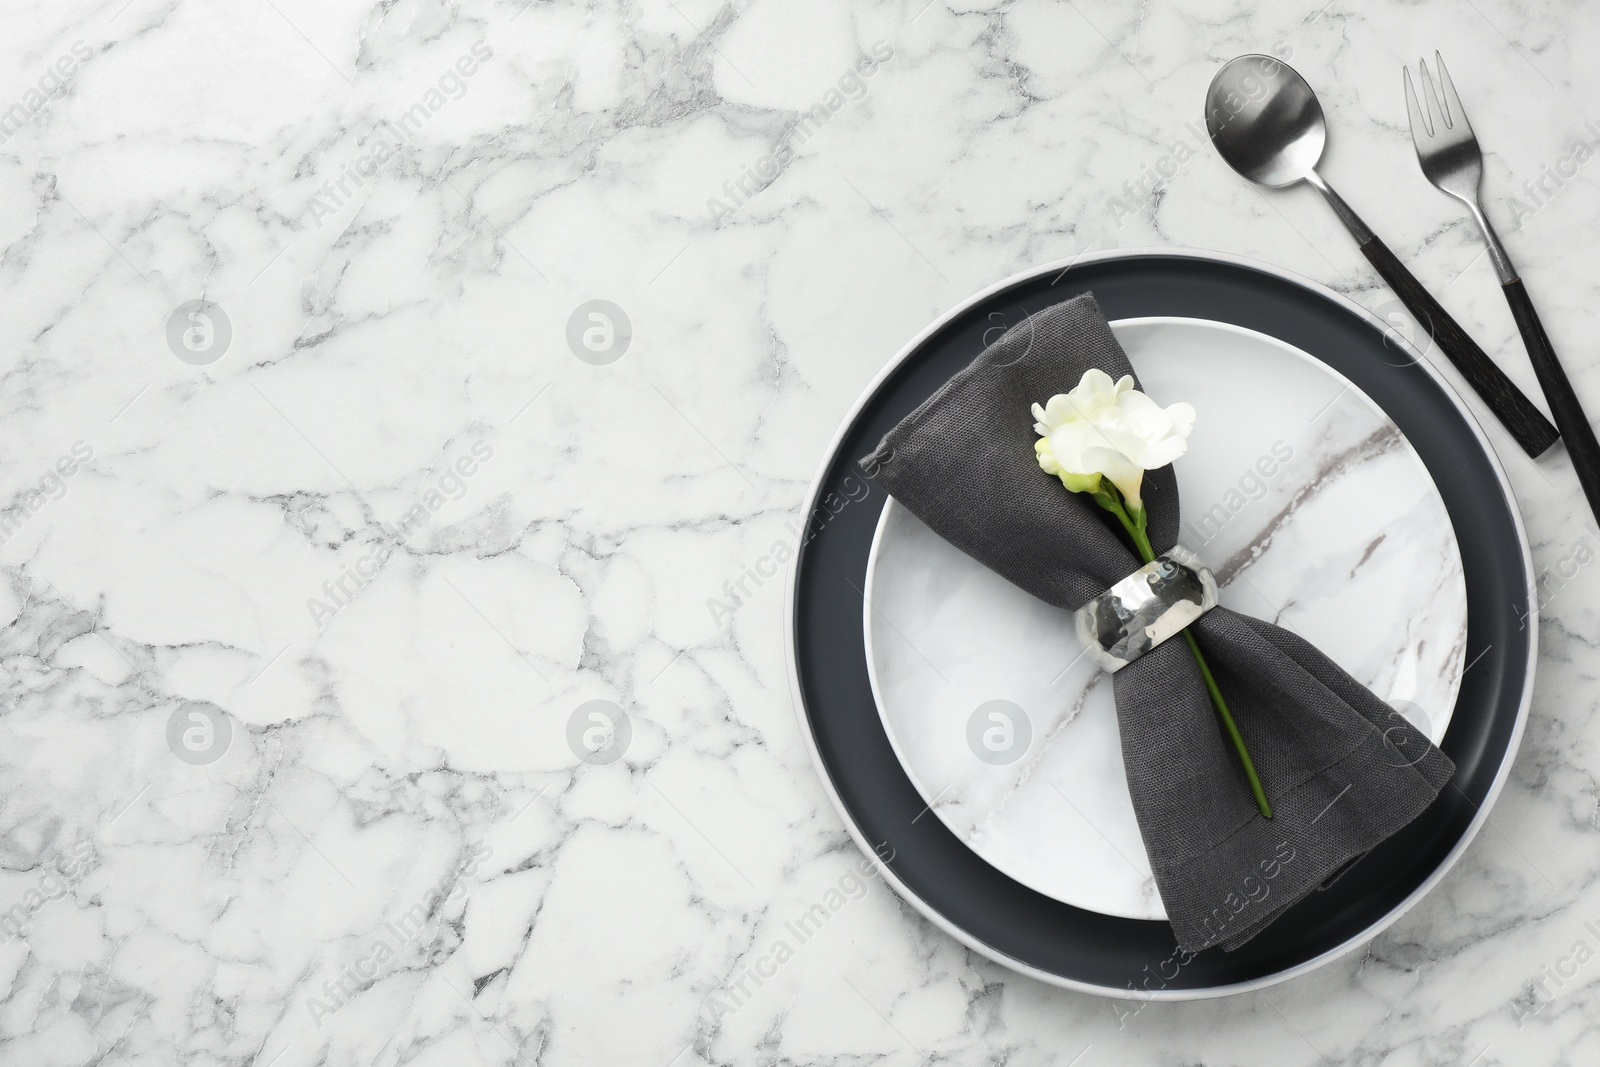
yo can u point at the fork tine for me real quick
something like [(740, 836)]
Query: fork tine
[(1420, 130), (1436, 111), (1458, 114)]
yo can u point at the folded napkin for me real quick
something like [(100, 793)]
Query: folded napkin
[(1341, 769)]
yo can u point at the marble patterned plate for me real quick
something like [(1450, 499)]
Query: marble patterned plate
[(1313, 511)]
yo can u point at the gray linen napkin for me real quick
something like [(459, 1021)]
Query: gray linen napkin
[(1341, 769)]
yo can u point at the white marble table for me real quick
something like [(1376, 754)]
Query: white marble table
[(303, 629)]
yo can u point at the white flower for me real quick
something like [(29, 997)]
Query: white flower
[(1108, 429)]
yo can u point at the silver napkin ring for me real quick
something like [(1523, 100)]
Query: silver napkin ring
[(1146, 608)]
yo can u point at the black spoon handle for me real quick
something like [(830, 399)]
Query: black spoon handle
[(1564, 405), (1525, 422)]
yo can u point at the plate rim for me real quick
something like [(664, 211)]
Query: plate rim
[(892, 505), (932, 914)]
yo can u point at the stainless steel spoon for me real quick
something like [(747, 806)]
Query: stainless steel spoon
[(1266, 124)]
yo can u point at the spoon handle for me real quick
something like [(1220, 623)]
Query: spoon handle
[(1524, 421)]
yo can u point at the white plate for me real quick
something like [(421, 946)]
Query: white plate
[(1307, 503)]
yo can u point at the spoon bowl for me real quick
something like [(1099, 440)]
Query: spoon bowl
[(1265, 121), (1266, 124)]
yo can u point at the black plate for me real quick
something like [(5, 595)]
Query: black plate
[(1058, 942)]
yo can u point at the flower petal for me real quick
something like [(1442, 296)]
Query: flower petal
[(1128, 444), (1095, 380), (1094, 392), (1124, 474), (1141, 414), (1060, 409), (1067, 443), (1047, 459), (1182, 416), (1163, 452), (1111, 429)]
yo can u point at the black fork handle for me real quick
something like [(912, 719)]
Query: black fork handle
[(1570, 418), (1510, 405)]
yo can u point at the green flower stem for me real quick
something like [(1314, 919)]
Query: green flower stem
[(1229, 725), (1135, 524)]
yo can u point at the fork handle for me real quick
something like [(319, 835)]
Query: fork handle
[(1564, 405), (1524, 421)]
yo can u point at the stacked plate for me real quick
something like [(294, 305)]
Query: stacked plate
[(1335, 485)]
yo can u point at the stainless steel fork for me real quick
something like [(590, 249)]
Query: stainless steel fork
[(1449, 154)]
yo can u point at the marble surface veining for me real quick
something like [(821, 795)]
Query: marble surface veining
[(315, 591)]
